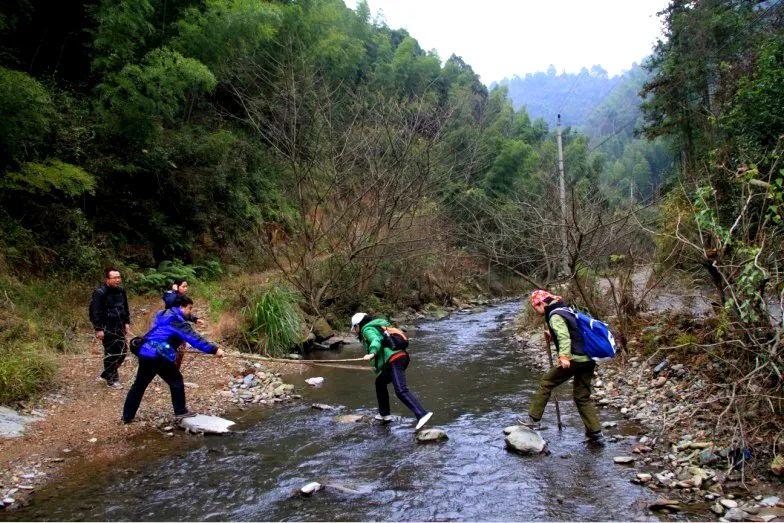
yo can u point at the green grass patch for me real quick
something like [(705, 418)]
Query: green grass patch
[(273, 321), (26, 370)]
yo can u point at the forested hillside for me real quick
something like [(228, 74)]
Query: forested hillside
[(573, 95), (230, 136)]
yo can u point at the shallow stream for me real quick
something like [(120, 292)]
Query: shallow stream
[(464, 368)]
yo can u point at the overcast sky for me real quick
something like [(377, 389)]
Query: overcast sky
[(500, 38)]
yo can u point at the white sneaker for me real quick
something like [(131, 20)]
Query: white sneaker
[(383, 419), (424, 419), (115, 385)]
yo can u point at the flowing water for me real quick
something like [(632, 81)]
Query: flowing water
[(464, 368)]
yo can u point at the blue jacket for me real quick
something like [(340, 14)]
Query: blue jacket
[(169, 330), (170, 298)]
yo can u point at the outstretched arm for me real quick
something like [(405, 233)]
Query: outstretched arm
[(193, 338)]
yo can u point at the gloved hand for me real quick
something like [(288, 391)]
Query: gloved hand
[(368, 357), (564, 362)]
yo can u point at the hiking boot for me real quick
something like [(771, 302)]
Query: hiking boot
[(180, 417), (530, 423), (595, 437), (383, 419), (424, 419)]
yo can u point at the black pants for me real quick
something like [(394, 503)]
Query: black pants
[(148, 369), (114, 351), (395, 373)]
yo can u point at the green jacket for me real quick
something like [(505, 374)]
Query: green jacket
[(372, 341), (564, 340)]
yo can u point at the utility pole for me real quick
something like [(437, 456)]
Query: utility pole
[(562, 187)]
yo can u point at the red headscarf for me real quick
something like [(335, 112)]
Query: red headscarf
[(541, 296)]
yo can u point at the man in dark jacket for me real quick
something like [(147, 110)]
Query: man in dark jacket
[(158, 352), (111, 319)]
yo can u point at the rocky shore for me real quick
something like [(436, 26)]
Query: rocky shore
[(678, 452), (80, 422)]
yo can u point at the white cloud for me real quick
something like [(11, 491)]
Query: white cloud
[(506, 37)]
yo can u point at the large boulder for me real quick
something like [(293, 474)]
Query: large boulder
[(322, 329), (525, 441)]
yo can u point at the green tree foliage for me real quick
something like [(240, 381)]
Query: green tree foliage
[(27, 112), (140, 98), (52, 176), (756, 112)]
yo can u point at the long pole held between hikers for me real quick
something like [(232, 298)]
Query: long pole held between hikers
[(555, 397)]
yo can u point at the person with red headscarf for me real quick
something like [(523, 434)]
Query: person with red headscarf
[(572, 362)]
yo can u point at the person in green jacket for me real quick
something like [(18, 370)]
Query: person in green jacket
[(390, 367), (572, 363)]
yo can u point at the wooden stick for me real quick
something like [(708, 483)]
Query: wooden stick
[(555, 394), (335, 364)]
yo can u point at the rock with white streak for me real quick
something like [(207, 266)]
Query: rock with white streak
[(525, 441), (204, 424), (311, 488)]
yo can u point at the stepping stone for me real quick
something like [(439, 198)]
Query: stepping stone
[(525, 441), (349, 418), (204, 424), (310, 488), (430, 435)]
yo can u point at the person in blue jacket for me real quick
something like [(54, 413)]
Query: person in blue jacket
[(157, 354)]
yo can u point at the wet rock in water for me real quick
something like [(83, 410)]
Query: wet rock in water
[(315, 381), (624, 460), (202, 423), (512, 428), (525, 441), (430, 435), (609, 424), (665, 504), (770, 501), (310, 488), (644, 477), (323, 406), (717, 509), (349, 418)]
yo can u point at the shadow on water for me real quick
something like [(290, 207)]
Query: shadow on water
[(463, 368)]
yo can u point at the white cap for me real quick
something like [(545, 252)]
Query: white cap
[(357, 318)]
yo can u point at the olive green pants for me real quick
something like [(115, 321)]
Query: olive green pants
[(581, 392)]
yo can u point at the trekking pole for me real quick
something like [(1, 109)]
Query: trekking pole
[(555, 395)]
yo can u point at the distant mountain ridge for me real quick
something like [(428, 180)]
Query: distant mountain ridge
[(574, 95)]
